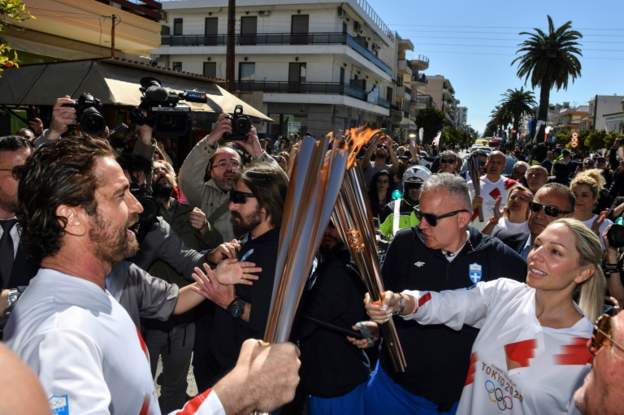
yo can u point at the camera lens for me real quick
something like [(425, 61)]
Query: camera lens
[(92, 122), (615, 236)]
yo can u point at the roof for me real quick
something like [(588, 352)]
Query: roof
[(115, 81)]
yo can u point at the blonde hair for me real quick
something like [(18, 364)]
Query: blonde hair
[(592, 290), (592, 178)]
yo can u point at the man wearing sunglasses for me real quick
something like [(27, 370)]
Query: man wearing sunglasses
[(224, 165), (602, 392), (552, 201), (441, 253), (256, 204)]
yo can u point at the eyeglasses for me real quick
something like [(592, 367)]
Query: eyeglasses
[(447, 161), (240, 198), (432, 219), (602, 332), (235, 164), (549, 210)]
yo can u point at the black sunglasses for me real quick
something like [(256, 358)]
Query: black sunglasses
[(432, 219), (549, 210), (602, 333), (240, 198)]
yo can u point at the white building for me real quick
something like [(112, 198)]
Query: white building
[(602, 105), (462, 116), (310, 65)]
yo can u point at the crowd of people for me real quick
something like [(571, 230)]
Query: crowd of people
[(119, 271)]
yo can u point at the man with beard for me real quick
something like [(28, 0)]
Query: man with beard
[(16, 267), (223, 164), (256, 203), (552, 201), (76, 212)]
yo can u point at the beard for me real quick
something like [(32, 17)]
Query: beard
[(243, 224), (113, 244)]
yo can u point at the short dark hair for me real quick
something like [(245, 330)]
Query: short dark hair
[(562, 190), (14, 143), (59, 173), (269, 184)]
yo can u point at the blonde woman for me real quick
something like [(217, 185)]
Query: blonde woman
[(586, 187), (530, 354)]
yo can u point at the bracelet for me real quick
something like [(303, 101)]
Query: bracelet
[(401, 306), (609, 268)]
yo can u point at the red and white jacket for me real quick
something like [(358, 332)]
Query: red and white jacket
[(517, 366), (489, 192)]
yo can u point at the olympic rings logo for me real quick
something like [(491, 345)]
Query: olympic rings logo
[(497, 396)]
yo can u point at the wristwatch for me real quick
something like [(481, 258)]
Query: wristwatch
[(236, 308), (12, 297)]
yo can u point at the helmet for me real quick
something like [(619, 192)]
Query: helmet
[(415, 174)]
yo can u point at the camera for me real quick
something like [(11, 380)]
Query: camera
[(241, 125), (162, 110), (88, 114), (615, 236)]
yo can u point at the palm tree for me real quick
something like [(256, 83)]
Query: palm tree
[(549, 59), (518, 103), (500, 118)]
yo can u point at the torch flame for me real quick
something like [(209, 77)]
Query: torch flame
[(358, 138)]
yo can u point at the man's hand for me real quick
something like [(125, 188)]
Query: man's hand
[(365, 343), (224, 251), (252, 144), (146, 134), (221, 127), (208, 286), (231, 271), (265, 377), (36, 125), (198, 219), (62, 118)]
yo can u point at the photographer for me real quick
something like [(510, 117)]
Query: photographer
[(223, 164), (67, 112)]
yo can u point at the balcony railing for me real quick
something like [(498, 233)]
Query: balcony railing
[(319, 38), (308, 88)]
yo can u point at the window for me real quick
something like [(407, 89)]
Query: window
[(299, 29), (176, 66), (210, 69), (248, 30), (342, 75), (389, 94), (246, 71), (177, 26), (165, 30), (211, 29)]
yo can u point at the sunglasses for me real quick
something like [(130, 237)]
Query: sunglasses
[(602, 333), (413, 185), (240, 198), (432, 219), (447, 161), (548, 210)]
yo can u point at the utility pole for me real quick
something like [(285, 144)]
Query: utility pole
[(231, 46), (113, 24)]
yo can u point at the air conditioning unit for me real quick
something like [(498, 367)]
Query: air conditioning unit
[(264, 13)]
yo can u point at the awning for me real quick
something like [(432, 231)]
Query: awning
[(113, 81)]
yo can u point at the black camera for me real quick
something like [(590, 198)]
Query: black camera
[(89, 115), (615, 236), (241, 125), (161, 109)]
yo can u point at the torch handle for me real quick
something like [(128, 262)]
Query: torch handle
[(392, 343)]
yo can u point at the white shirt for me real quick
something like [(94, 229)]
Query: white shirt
[(511, 227), (601, 229), (88, 354), (517, 366), (489, 191)]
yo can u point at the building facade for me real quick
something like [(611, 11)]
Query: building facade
[(602, 105), (82, 29), (311, 66), (442, 95)]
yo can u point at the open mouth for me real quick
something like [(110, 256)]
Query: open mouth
[(536, 271)]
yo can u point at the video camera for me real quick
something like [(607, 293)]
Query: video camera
[(88, 114), (161, 110), (241, 125)]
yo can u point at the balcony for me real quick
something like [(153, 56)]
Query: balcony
[(423, 101), (334, 88), (420, 63), (318, 38)]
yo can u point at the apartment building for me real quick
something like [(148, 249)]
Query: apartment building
[(82, 29), (310, 65), (462, 116), (442, 96), (603, 105)]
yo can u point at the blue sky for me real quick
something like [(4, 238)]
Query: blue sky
[(472, 43)]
